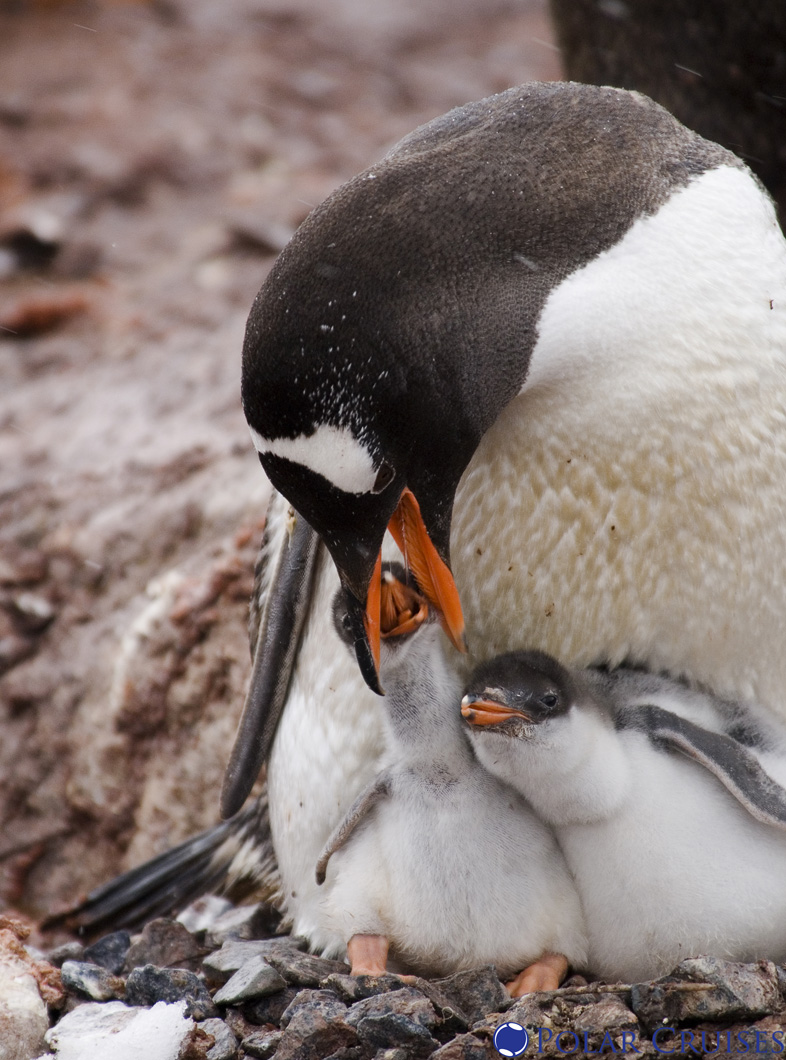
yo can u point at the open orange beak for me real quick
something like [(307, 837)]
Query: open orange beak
[(431, 573), (480, 711)]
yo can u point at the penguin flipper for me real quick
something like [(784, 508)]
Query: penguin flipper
[(377, 790), (235, 854), (733, 764), (275, 644)]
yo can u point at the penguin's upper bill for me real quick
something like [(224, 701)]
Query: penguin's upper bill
[(401, 319)]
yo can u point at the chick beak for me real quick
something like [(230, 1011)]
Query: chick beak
[(480, 711), (431, 572)]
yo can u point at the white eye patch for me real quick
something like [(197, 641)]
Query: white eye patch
[(332, 452)]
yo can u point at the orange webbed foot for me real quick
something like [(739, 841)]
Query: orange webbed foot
[(544, 974), (368, 955)]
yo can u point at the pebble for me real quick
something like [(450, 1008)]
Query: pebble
[(606, 1013), (256, 978), (464, 1047), (707, 988), (315, 1027), (261, 1044), (224, 1045), (234, 954), (92, 981), (398, 1018), (270, 1009), (110, 951), (476, 992), (166, 944), (68, 951), (351, 988), (303, 969), (147, 985), (23, 1016)]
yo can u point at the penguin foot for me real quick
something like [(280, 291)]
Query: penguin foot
[(544, 974), (368, 955)]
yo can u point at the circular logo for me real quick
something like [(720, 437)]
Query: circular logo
[(510, 1039)]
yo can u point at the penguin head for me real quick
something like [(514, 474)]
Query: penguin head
[(401, 318), (514, 694), (356, 416)]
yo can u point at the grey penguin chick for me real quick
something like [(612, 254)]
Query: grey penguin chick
[(436, 856), (672, 828)]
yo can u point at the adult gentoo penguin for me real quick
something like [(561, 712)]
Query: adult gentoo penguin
[(675, 831), (544, 338), (436, 858)]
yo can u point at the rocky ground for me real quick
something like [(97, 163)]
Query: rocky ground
[(219, 985), (154, 157)]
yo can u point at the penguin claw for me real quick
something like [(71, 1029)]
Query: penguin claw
[(544, 974)]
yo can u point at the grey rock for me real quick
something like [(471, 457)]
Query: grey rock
[(23, 1015), (69, 951), (305, 998), (261, 1044), (234, 954), (351, 988), (707, 988), (606, 1013), (465, 1047), (270, 1009), (166, 944), (110, 951), (238, 1024), (475, 992), (242, 922), (407, 1002), (316, 1027), (451, 1019), (256, 978), (391, 1054), (147, 985), (91, 981), (303, 969), (398, 1018), (224, 1045)]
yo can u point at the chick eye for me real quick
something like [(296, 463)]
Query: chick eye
[(549, 700), (385, 476)]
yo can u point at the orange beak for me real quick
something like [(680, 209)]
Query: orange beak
[(487, 711), (431, 572)]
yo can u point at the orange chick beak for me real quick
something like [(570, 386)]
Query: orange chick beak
[(479, 711)]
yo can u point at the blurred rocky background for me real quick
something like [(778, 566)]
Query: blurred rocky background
[(154, 158)]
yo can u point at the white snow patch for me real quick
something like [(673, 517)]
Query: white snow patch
[(112, 1029)]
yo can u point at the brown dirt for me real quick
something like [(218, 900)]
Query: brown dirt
[(153, 159)]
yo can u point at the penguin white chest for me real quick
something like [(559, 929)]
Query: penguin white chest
[(628, 504)]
